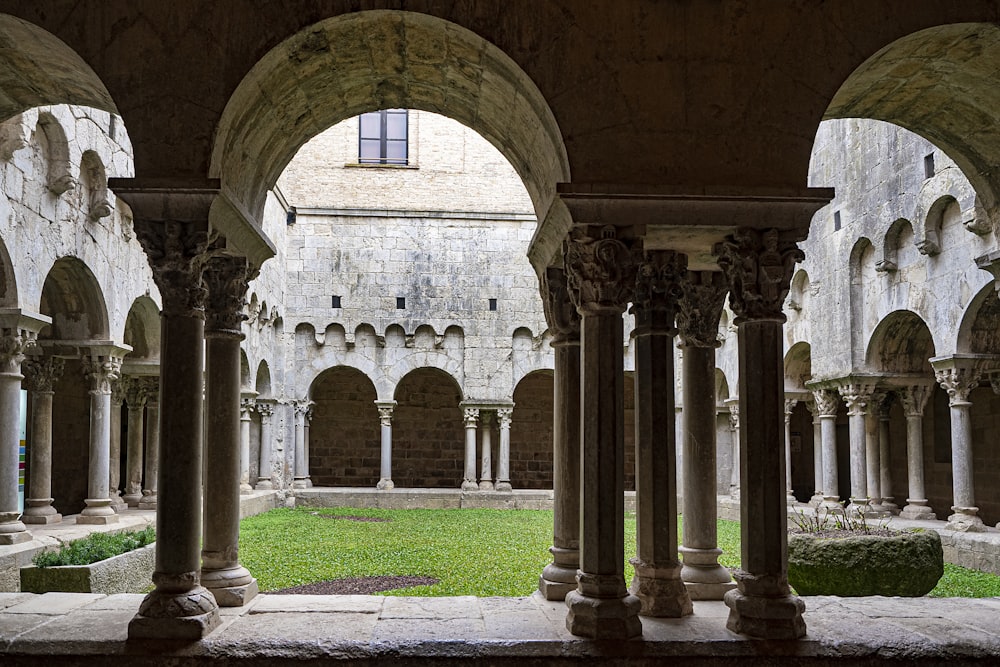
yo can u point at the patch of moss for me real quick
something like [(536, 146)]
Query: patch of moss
[(95, 547)]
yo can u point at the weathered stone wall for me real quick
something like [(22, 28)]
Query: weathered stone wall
[(344, 432), (428, 432)]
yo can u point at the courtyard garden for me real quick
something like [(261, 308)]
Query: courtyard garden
[(425, 552)]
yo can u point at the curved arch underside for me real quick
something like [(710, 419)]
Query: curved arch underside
[(901, 343)]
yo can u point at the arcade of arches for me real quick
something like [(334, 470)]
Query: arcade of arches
[(676, 197)]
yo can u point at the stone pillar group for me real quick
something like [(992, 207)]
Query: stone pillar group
[(39, 375), (959, 377), (914, 399), (152, 391), (101, 365)]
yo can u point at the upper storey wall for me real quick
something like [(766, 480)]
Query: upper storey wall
[(451, 168)]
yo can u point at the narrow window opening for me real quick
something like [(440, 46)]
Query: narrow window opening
[(928, 165), (493, 304), (836, 221), (382, 137), (400, 303), (335, 301), (291, 216), (112, 126)]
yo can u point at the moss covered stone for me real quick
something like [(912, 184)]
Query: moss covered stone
[(907, 564)]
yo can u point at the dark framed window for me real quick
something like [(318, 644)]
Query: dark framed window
[(383, 136)]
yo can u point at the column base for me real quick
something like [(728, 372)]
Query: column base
[(231, 587), (117, 504), (132, 499), (12, 530), (964, 520), (660, 590), (603, 618), (916, 508), (42, 519), (189, 615), (831, 504), (486, 485), (300, 483), (40, 511), (701, 573), (245, 490), (264, 485), (791, 499), (385, 484), (148, 501), (763, 607), (98, 512), (559, 577), (889, 506), (503, 486), (816, 500), (470, 485)]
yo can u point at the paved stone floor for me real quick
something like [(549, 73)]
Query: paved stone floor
[(86, 629)]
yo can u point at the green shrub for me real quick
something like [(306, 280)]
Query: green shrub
[(95, 547)]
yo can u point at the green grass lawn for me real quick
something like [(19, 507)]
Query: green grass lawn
[(471, 552)]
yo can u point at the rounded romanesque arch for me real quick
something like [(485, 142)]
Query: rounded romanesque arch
[(8, 281), (344, 430), (428, 434), (72, 297), (901, 344), (531, 432), (979, 330), (142, 331), (347, 65), (262, 385)]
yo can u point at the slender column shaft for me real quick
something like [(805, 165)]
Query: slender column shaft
[(14, 340), (265, 471), (959, 378), (245, 408), (101, 371), (790, 404), (914, 399), (471, 420), (115, 464), (486, 453), (817, 497), (133, 485), (734, 427), (148, 501), (40, 374), (503, 464), (857, 397), (961, 454), (885, 459), (385, 410), (222, 574), (873, 457), (301, 462)]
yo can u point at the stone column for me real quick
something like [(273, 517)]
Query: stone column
[(657, 581), (101, 365), (856, 397), (301, 478), (559, 577), (471, 419), (486, 466), (817, 423), (873, 454), (246, 407), (135, 399), (959, 379), (914, 399), (40, 373), (601, 278), (385, 410), (17, 334), (734, 427), (758, 266), (265, 471), (221, 573), (826, 406), (179, 607), (790, 404), (115, 464), (148, 500), (698, 321), (503, 465), (885, 456)]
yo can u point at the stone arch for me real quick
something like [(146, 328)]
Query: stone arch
[(428, 432), (798, 367), (531, 431), (862, 277), (142, 330), (262, 385), (979, 331), (798, 291), (72, 297), (344, 430), (8, 281), (721, 386), (898, 233), (343, 66), (939, 83), (94, 179), (51, 139), (902, 343), (244, 372)]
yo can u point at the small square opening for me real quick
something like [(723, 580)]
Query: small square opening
[(929, 165), (335, 301), (493, 304), (400, 303), (836, 221)]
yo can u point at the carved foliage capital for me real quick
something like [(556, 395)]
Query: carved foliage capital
[(700, 308), (826, 402), (504, 416), (471, 417), (758, 266), (135, 392), (857, 397), (958, 381), (265, 410), (177, 254), (657, 288), (227, 281), (790, 404), (600, 271), (40, 373), (14, 343), (101, 371), (560, 313)]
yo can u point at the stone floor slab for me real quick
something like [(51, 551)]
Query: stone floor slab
[(14, 625), (11, 599), (432, 608), (428, 629), (117, 602), (82, 632), (262, 629), (54, 604), (361, 604)]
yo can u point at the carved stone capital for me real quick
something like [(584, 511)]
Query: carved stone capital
[(758, 266), (265, 410), (958, 381), (101, 371), (177, 254), (914, 399), (135, 393), (504, 417), (790, 404), (247, 405), (734, 413), (385, 415), (471, 417), (700, 308), (560, 313), (14, 343), (40, 373), (227, 278), (657, 288), (826, 402), (600, 271), (151, 389), (857, 396)]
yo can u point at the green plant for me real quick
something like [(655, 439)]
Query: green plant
[(853, 521), (95, 547)]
